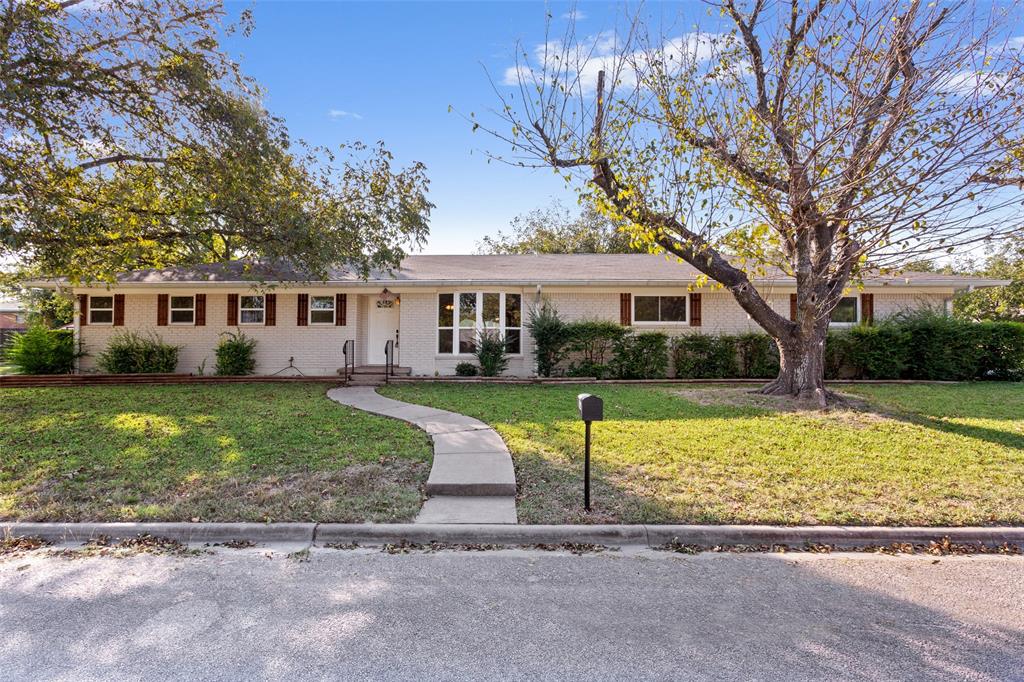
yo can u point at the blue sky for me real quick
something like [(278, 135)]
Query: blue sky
[(389, 71)]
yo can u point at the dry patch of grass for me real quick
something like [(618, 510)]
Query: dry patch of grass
[(849, 409), (235, 452)]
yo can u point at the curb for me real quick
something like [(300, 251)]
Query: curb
[(609, 535), (194, 533)]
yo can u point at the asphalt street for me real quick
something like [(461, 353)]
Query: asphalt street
[(365, 614)]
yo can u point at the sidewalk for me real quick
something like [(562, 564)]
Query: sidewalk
[(472, 479)]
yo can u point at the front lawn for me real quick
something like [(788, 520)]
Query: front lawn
[(928, 455), (228, 452)]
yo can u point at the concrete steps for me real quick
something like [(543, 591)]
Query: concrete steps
[(373, 375)]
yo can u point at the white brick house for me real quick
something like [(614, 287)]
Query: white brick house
[(432, 307)]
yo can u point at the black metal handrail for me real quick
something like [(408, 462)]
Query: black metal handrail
[(389, 360), (349, 350)]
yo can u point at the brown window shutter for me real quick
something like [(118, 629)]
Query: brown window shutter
[(83, 309), (200, 310), (792, 307), (118, 310), (162, 303), (340, 309), (270, 317), (625, 309), (694, 310), (302, 316), (232, 310), (867, 308)]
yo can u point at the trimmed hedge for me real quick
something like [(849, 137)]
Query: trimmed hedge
[(130, 353), (641, 356), (466, 369), (744, 356), (921, 346)]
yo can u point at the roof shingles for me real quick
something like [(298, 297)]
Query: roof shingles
[(568, 269)]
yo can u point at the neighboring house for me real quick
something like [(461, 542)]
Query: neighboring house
[(432, 307), (12, 314)]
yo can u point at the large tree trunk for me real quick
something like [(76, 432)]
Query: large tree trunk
[(802, 369)]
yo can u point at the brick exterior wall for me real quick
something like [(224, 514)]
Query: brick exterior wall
[(888, 304), (318, 349)]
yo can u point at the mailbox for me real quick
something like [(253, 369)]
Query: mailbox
[(591, 407)]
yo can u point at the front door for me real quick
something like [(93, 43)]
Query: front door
[(382, 327)]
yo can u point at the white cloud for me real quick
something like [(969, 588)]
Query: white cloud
[(341, 113), (602, 52), (90, 6), (969, 82), (575, 15)]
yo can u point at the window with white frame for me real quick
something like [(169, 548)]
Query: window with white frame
[(251, 309), (101, 310), (659, 310), (183, 310), (847, 312), (463, 316), (321, 310)]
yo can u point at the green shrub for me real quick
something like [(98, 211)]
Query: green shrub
[(490, 353), (236, 355), (593, 340), (466, 369), (757, 356), (549, 336), (837, 353), (641, 356), (586, 369), (702, 356), (1001, 355), (940, 347), (39, 350), (130, 353), (878, 352)]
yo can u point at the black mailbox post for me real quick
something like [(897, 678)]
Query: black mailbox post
[(591, 410)]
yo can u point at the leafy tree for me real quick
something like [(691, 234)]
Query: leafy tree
[(128, 139), (555, 230), (47, 307), (823, 138), (997, 303)]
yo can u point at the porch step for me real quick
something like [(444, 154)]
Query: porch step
[(366, 380), (379, 369)]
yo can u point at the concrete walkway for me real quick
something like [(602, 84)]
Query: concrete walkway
[(471, 480)]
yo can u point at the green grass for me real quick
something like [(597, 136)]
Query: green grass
[(230, 452), (929, 455)]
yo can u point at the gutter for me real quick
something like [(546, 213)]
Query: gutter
[(646, 535)]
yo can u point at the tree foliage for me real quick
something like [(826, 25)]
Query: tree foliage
[(819, 139), (128, 139), (554, 229), (997, 303)]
